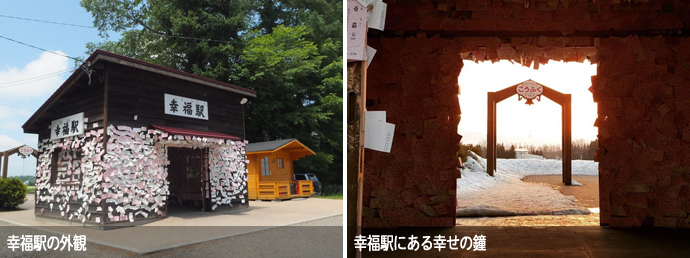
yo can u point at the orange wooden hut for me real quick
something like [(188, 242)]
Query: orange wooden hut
[(271, 172)]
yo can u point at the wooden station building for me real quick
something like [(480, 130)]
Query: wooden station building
[(124, 140), (271, 172)]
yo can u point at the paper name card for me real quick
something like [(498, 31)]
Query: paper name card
[(377, 17), (378, 134), (356, 31), (370, 55)]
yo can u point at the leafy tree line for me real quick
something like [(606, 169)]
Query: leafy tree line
[(289, 51), (581, 149), (503, 151), (31, 180)]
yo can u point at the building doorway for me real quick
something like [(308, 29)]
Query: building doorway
[(531, 189), (187, 175)]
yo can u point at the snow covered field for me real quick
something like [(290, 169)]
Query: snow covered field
[(506, 194)]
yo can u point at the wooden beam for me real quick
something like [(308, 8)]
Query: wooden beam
[(518, 34), (491, 130), (174, 75), (5, 159), (356, 101), (105, 134), (490, 133), (567, 140)]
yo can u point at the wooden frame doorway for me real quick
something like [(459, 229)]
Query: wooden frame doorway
[(564, 100), (188, 175)]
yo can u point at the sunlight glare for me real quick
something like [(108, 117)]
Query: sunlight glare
[(517, 122)]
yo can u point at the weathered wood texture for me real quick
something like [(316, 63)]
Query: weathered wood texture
[(414, 185), (644, 124), (138, 92), (641, 89), (540, 15), (81, 98), (643, 100), (355, 108)]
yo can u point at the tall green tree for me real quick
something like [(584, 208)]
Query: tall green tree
[(297, 97), (200, 37), (281, 25), (290, 51)]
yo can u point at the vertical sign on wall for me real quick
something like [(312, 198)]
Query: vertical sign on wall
[(181, 106), (67, 126), (356, 31)]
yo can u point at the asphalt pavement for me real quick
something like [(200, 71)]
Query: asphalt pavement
[(316, 238)]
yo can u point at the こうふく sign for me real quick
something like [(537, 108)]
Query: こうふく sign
[(529, 89), (25, 150)]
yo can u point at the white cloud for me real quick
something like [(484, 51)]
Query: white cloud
[(46, 64), (11, 112), (31, 140), (7, 143), (9, 125)]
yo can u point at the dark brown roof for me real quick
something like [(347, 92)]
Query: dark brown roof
[(111, 57), (225, 84)]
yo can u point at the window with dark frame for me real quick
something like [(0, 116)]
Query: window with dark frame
[(62, 163), (265, 170), (280, 162)]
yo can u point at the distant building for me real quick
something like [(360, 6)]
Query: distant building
[(522, 153)]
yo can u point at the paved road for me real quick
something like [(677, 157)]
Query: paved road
[(317, 238)]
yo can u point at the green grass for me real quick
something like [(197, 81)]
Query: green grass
[(30, 189), (333, 192), (333, 196)]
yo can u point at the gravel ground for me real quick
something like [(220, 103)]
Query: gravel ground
[(317, 238)]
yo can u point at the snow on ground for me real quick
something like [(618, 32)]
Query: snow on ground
[(479, 194)]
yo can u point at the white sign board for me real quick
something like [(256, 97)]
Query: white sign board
[(529, 89), (378, 134), (181, 106), (356, 31), (67, 126), (26, 150)]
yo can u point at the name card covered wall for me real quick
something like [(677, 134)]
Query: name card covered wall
[(67, 126), (186, 107), (130, 176)]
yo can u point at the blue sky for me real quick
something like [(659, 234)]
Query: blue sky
[(19, 97)]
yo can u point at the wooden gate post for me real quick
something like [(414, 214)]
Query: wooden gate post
[(567, 139), (356, 110), (565, 100), (5, 160), (490, 134)]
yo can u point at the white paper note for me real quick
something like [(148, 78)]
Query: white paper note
[(370, 55), (377, 18), (378, 135)]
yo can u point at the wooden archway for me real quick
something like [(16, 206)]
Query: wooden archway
[(6, 158), (562, 99)]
